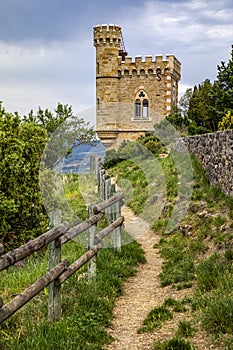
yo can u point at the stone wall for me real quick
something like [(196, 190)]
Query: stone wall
[(215, 152)]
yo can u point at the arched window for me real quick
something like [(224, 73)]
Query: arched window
[(141, 109)]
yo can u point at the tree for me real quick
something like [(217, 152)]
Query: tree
[(21, 208), (226, 122), (25, 144), (49, 120), (185, 101), (199, 107), (65, 130), (222, 92)]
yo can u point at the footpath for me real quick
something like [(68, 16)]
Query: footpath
[(141, 293)]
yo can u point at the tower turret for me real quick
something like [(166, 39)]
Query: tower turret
[(107, 40)]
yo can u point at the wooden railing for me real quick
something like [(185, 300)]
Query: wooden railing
[(60, 271)]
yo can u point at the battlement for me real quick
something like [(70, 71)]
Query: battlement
[(169, 60), (107, 34), (148, 66)]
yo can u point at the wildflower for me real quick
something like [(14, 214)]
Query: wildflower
[(20, 263)]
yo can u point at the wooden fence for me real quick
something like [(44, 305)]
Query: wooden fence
[(60, 271)]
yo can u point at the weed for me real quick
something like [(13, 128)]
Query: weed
[(176, 305), (185, 329), (174, 344), (219, 221), (212, 271), (155, 319)]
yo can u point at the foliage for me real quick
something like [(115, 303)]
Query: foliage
[(65, 130), (145, 147), (204, 108), (174, 344), (153, 144), (226, 122), (222, 92), (184, 252), (155, 319), (47, 119), (21, 209), (199, 107), (185, 329), (23, 157), (179, 121), (184, 102)]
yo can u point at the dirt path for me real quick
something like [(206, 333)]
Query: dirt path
[(141, 293)]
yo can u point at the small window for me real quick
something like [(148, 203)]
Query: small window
[(141, 109)]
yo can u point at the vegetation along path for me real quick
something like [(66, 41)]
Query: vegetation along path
[(141, 293)]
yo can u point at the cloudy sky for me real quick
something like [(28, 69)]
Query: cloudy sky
[(47, 54)]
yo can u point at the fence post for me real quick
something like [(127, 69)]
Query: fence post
[(117, 231), (54, 250), (91, 241), (102, 184), (108, 186), (1, 248)]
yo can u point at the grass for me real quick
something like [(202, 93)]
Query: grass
[(161, 314), (155, 319), (187, 260), (86, 307), (174, 344), (185, 329), (197, 253)]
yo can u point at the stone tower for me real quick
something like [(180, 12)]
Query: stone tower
[(131, 95)]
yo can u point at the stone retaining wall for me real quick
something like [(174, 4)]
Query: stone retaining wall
[(215, 152)]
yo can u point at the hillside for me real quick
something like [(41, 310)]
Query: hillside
[(197, 260)]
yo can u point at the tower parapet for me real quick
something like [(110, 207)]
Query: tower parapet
[(148, 66), (109, 35)]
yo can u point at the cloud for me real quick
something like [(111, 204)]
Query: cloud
[(47, 54), (43, 75), (189, 23), (198, 32)]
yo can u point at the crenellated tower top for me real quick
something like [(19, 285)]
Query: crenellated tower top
[(107, 35)]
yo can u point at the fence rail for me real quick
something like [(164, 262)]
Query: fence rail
[(60, 271)]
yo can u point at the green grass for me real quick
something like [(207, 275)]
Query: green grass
[(155, 319), (161, 314), (185, 329), (188, 260), (86, 307), (174, 344)]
